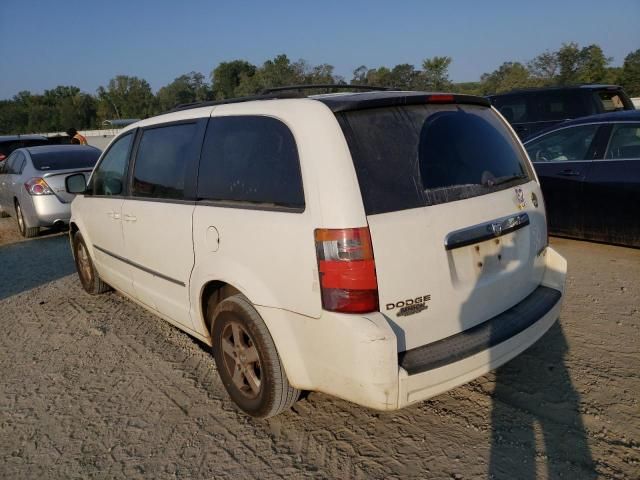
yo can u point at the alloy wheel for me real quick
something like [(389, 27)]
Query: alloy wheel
[(241, 359)]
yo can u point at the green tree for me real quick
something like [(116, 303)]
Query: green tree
[(126, 97), (545, 67), (630, 74), (581, 65), (404, 76), (187, 88), (435, 74), (228, 76), (592, 67), (509, 76)]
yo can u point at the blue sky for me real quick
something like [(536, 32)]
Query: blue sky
[(45, 43)]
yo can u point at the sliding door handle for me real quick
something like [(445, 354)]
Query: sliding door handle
[(130, 218)]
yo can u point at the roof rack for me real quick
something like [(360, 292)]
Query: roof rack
[(289, 91), (334, 86), (209, 103)]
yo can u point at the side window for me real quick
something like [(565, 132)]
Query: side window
[(161, 161), (625, 142), (250, 159), (4, 165), (611, 100), (20, 163), (513, 108), (109, 176), (15, 163), (571, 143), (559, 105)]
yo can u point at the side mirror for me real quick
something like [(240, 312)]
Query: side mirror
[(75, 183)]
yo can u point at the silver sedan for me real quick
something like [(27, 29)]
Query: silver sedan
[(32, 184)]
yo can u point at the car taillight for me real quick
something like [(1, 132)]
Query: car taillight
[(2, 156), (37, 186), (347, 270)]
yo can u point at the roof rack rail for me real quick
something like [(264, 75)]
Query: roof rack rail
[(210, 103), (312, 86)]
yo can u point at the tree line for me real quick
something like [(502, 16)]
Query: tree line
[(131, 97)]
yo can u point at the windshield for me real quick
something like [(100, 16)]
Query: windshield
[(420, 155)]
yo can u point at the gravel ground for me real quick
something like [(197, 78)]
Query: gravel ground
[(96, 387)]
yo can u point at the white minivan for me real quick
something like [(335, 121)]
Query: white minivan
[(381, 246)]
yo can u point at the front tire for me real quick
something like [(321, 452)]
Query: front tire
[(25, 231), (89, 278), (247, 360)]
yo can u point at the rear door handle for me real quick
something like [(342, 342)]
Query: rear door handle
[(129, 218), (569, 173), (114, 215)]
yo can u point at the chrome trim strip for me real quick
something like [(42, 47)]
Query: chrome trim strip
[(485, 231), (140, 267)]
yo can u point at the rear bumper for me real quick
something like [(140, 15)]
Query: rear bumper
[(356, 357), (46, 210)]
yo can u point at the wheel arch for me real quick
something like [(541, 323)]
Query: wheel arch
[(211, 294)]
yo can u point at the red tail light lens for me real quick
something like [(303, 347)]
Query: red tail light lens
[(347, 270), (440, 99), (37, 186), (2, 156)]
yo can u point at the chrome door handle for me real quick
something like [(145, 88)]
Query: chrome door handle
[(129, 218)]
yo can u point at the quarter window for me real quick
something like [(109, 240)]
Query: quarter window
[(563, 145), (161, 162), (109, 176), (625, 142), (16, 164), (250, 159)]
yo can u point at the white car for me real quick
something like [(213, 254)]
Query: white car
[(381, 247)]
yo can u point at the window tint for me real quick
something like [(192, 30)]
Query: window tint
[(560, 105), (162, 159), (513, 108), (567, 144), (625, 141), (250, 159), (109, 176), (65, 159), (413, 156)]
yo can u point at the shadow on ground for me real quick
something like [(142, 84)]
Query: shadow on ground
[(29, 264), (537, 429)]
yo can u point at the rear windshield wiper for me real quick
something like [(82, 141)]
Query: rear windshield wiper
[(507, 178)]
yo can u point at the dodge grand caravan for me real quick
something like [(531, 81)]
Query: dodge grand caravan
[(382, 247)]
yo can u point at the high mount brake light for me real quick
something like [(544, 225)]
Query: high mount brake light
[(347, 270), (37, 186), (440, 99)]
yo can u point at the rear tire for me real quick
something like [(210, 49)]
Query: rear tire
[(25, 231), (247, 360), (89, 278)]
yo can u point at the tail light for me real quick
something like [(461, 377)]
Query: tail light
[(347, 270), (2, 157), (37, 186)]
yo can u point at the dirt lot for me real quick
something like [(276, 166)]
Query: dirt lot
[(95, 387)]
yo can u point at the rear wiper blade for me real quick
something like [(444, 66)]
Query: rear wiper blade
[(507, 178)]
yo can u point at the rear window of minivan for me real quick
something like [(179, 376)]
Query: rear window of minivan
[(421, 155)]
